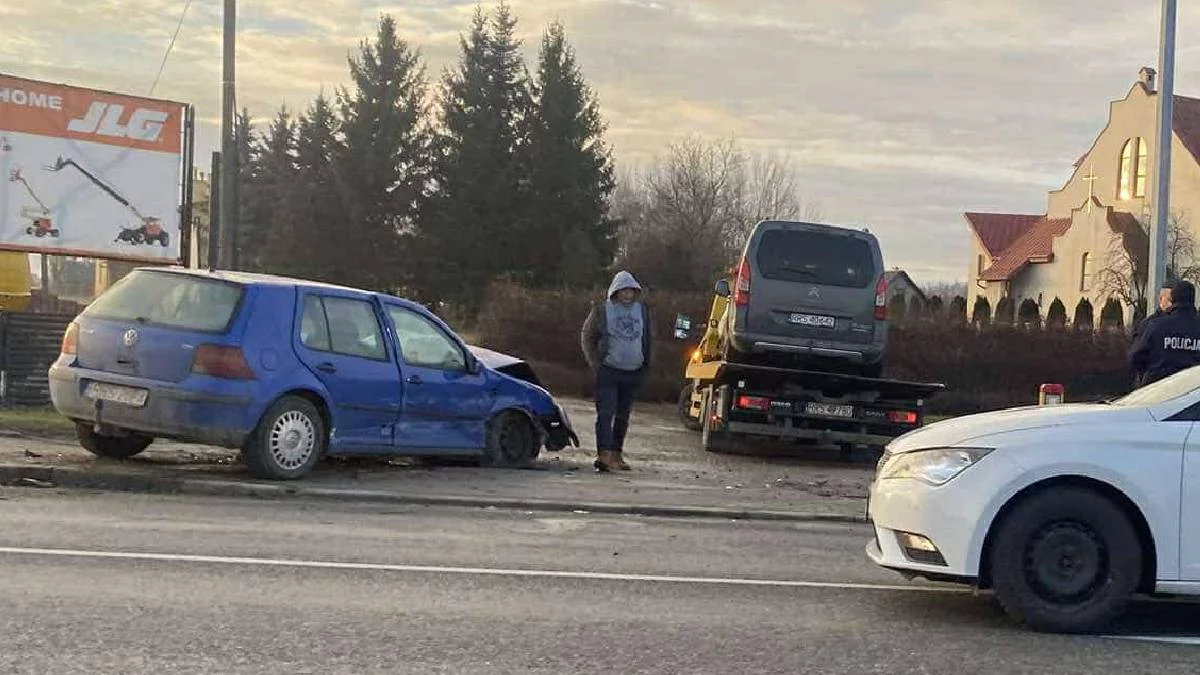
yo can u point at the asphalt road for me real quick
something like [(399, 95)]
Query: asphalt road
[(119, 583)]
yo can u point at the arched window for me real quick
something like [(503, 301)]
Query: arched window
[(1131, 174), (1085, 273)]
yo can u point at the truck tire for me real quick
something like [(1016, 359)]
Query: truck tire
[(1065, 560), (685, 408)]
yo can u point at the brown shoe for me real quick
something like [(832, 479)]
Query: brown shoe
[(604, 461), (619, 461)]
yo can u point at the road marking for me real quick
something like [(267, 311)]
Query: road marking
[(478, 571), (1181, 640)]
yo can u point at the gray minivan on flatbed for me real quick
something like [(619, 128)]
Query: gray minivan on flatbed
[(808, 295)]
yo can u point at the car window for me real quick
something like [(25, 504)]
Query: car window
[(314, 329), (353, 328), (817, 258), (423, 343), (167, 299), (1167, 389)]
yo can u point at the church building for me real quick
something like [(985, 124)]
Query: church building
[(1094, 231)]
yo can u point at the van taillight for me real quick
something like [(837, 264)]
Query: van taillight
[(741, 292), (881, 288), (70, 340), (221, 361)]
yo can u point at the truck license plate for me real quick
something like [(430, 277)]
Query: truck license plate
[(101, 391), (813, 320), (829, 410)]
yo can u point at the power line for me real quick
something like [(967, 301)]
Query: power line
[(171, 45)]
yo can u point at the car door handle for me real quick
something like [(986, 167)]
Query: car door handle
[(413, 379), (327, 367)]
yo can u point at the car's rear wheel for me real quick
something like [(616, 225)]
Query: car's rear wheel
[(511, 442), (289, 441), (1065, 560), (112, 447)]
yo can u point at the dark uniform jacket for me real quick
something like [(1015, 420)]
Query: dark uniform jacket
[(1166, 345)]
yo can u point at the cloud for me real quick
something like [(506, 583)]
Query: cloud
[(899, 115)]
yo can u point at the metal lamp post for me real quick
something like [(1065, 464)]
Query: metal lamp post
[(1162, 175)]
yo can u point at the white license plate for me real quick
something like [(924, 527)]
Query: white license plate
[(100, 391), (813, 320), (829, 410)]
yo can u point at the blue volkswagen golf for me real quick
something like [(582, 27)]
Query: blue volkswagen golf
[(287, 371)]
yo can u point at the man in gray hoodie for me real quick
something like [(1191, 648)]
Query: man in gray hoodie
[(616, 341)]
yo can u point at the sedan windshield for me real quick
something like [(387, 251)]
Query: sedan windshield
[(1168, 389)]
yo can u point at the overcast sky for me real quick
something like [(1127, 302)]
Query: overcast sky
[(899, 114)]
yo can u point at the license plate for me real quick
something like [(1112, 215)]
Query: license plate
[(829, 410), (100, 391), (813, 320)]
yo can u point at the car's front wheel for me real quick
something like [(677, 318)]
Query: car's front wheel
[(112, 447), (511, 442), (1065, 560), (288, 442)]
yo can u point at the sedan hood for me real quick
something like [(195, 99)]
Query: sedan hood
[(509, 365), (965, 430)]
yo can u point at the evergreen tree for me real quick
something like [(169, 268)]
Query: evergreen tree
[(383, 166), (314, 207), (472, 232), (274, 174), (244, 253), (572, 239)]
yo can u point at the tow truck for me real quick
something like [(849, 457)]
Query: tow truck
[(734, 404)]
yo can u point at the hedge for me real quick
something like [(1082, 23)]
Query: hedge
[(984, 367)]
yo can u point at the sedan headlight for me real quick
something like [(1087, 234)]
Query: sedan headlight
[(936, 466)]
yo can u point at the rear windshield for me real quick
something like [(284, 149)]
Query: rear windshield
[(816, 258), (171, 300)]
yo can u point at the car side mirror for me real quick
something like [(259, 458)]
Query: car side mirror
[(474, 367), (722, 288), (683, 326)]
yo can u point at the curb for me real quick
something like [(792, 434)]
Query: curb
[(17, 475)]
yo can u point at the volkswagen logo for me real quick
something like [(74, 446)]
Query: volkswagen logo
[(130, 338)]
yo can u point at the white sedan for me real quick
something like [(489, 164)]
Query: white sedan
[(1064, 511)]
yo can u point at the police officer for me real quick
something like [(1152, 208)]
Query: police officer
[(1169, 343), (1164, 303)]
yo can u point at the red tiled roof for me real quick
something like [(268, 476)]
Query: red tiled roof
[(1186, 120), (1036, 243), (998, 231)]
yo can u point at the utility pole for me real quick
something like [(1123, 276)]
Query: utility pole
[(229, 173), (1162, 175)]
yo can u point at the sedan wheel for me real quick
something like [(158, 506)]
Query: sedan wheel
[(1065, 560), (511, 442)]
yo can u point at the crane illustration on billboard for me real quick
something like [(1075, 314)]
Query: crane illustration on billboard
[(148, 228), (40, 223)]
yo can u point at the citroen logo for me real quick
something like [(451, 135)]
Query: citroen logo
[(130, 338), (814, 292)]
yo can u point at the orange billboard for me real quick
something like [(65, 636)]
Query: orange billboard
[(90, 172)]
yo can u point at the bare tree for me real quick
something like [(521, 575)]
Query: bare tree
[(1124, 273), (1181, 260), (685, 218)]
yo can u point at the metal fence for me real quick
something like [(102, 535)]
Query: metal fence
[(29, 343)]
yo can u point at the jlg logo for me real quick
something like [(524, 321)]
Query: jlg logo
[(104, 119)]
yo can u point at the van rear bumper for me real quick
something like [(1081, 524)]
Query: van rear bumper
[(767, 344), (195, 415)]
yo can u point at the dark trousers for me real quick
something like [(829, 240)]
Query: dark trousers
[(615, 394)]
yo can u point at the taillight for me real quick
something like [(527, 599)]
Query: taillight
[(753, 402), (741, 292), (70, 340), (881, 288), (902, 417), (221, 361)]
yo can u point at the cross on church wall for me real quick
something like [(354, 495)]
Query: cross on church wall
[(1091, 179)]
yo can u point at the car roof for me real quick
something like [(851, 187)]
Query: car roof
[(262, 279)]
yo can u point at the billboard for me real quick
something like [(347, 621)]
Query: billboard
[(91, 173)]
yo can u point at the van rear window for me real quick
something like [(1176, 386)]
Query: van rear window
[(816, 258), (171, 300)]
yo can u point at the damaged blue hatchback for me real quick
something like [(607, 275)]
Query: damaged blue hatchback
[(288, 371)]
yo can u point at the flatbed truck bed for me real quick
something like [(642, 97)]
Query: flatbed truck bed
[(731, 404)]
